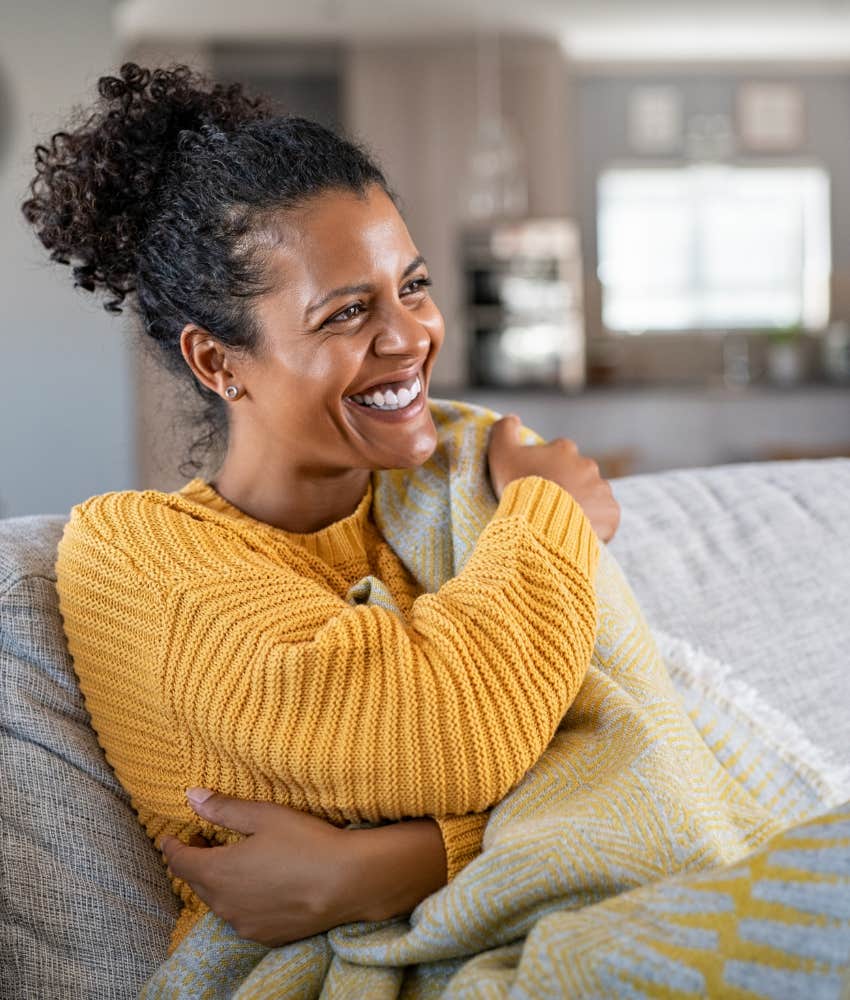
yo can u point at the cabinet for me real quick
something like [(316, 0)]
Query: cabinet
[(522, 286)]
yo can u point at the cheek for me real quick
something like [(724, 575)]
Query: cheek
[(311, 367), (321, 374)]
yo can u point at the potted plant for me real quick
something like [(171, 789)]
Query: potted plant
[(784, 354)]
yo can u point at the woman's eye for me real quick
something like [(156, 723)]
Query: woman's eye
[(354, 310), (421, 283), (346, 314)]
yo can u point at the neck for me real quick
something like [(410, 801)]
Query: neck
[(287, 498)]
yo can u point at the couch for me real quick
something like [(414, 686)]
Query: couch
[(749, 563)]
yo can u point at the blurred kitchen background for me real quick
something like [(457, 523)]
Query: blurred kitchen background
[(636, 215)]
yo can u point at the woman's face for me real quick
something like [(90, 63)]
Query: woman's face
[(350, 334)]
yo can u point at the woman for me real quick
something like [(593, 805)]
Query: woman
[(216, 631)]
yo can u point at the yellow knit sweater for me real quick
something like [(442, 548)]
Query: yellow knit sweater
[(216, 650)]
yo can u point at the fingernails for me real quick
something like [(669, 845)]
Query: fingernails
[(163, 844), (198, 796)]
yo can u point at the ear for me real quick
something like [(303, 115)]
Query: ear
[(207, 357)]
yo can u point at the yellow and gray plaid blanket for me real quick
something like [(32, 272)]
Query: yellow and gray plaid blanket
[(643, 855)]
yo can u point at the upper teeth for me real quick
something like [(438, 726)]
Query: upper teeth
[(390, 400)]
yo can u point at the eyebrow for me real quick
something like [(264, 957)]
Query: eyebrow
[(353, 289)]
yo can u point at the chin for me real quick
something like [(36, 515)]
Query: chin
[(412, 460), (428, 446)]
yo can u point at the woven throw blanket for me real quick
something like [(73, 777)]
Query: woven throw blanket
[(634, 787)]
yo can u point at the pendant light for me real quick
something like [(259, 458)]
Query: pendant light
[(496, 185)]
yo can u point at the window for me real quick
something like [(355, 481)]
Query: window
[(713, 247)]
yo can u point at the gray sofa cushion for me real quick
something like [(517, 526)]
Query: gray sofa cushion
[(85, 907), (751, 563)]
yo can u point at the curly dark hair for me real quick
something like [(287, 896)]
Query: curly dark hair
[(165, 191)]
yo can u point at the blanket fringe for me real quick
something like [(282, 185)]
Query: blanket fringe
[(691, 665)]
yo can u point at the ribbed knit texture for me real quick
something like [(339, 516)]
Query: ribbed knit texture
[(215, 650)]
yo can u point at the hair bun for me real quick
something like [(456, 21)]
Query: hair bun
[(95, 190)]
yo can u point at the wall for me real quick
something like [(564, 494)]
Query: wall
[(303, 79), (66, 396)]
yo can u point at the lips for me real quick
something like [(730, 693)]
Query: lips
[(402, 397), (393, 410), (392, 382)]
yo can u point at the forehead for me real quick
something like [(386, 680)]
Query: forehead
[(338, 237)]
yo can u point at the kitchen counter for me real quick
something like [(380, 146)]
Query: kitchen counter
[(647, 428)]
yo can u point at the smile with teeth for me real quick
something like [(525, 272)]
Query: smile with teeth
[(390, 399)]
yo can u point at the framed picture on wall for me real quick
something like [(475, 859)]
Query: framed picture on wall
[(655, 119), (771, 117)]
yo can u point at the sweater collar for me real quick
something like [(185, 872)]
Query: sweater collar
[(334, 544)]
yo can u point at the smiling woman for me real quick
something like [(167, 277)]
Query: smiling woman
[(256, 634), (340, 386)]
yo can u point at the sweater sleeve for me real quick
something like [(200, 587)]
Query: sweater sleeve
[(462, 837), (351, 712)]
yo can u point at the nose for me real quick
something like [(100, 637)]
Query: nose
[(401, 333)]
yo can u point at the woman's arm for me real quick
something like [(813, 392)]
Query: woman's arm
[(352, 712), (277, 689), (208, 655), (295, 875), (255, 679)]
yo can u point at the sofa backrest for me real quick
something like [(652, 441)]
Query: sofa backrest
[(751, 564), (85, 906)]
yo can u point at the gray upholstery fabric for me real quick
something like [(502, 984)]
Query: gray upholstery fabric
[(749, 562), (85, 906)]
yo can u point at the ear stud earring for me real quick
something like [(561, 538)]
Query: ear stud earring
[(231, 392)]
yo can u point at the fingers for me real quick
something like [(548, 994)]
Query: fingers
[(199, 867), (186, 862), (242, 815), (566, 446), (506, 430)]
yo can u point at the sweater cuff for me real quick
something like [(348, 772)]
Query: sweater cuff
[(462, 836), (553, 513)]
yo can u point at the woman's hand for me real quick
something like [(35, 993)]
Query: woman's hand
[(560, 461), (296, 875)]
